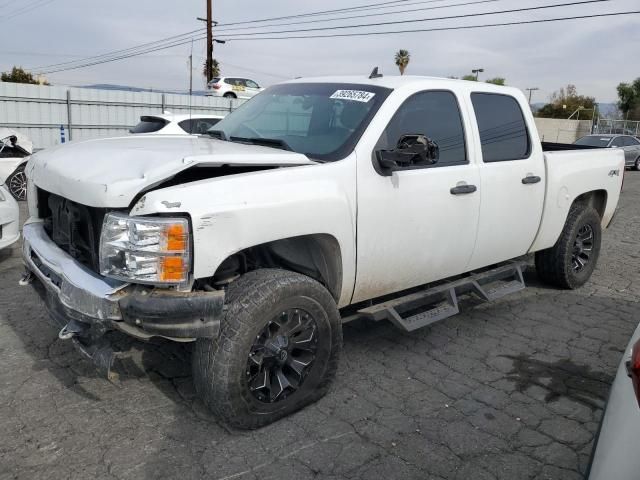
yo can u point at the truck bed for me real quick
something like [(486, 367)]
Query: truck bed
[(557, 147)]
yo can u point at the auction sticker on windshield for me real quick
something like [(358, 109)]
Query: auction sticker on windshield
[(354, 95)]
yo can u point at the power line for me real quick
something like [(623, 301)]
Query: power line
[(182, 42), (26, 8), (124, 50), (323, 12), (121, 57), (476, 2), (175, 37), (442, 29), (418, 20)]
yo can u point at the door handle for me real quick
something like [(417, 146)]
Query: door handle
[(530, 179), (463, 189)]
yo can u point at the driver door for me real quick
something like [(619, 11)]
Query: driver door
[(419, 223)]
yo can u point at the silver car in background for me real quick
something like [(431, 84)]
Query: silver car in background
[(629, 143), (615, 455)]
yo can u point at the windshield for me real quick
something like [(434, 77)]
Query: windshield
[(321, 120), (594, 141)]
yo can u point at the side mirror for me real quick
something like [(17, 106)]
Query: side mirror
[(415, 150)]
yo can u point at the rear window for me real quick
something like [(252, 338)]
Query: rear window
[(198, 126), (149, 125), (593, 141), (503, 130)]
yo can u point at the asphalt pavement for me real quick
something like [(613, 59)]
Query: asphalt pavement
[(508, 390)]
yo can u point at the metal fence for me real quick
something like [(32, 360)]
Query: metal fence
[(40, 111), (624, 127)]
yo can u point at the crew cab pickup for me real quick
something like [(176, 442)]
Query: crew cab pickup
[(318, 201)]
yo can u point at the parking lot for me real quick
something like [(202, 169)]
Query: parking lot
[(509, 390)]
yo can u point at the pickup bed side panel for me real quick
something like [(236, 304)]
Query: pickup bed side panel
[(232, 213), (571, 174)]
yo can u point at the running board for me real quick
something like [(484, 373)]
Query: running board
[(419, 309)]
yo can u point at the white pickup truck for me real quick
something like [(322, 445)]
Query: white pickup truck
[(317, 202)]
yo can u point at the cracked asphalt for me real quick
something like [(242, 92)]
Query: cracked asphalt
[(508, 390)]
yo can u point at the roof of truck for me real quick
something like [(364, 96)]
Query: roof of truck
[(397, 81)]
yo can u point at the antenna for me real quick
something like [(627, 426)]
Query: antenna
[(375, 74)]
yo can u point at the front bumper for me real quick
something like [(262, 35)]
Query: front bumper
[(97, 304)]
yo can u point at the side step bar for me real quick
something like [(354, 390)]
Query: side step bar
[(419, 309)]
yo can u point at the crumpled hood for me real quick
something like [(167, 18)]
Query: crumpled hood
[(110, 172)]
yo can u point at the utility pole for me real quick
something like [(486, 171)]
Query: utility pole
[(191, 70), (531, 90), (209, 63)]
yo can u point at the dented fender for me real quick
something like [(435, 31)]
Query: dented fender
[(232, 213)]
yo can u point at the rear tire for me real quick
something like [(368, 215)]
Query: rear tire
[(229, 95), (277, 351), (636, 165), (571, 261)]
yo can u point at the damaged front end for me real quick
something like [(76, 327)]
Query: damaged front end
[(87, 305)]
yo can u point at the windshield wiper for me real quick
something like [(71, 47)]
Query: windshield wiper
[(265, 142), (219, 134)]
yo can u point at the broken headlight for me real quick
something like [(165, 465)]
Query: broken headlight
[(145, 249)]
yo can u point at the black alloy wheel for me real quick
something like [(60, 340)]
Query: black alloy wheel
[(17, 184), (282, 356), (582, 248)]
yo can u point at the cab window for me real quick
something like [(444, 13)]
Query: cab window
[(436, 115), (503, 130)]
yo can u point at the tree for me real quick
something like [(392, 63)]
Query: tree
[(565, 102), (215, 69), (20, 75), (402, 60), (629, 99), (497, 81)]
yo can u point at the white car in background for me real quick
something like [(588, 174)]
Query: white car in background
[(176, 124), (9, 218), (15, 150), (233, 87)]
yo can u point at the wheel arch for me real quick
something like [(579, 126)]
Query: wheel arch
[(596, 199), (555, 216), (318, 256)]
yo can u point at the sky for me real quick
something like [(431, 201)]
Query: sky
[(594, 54)]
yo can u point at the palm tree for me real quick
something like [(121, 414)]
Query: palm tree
[(215, 69), (402, 60)]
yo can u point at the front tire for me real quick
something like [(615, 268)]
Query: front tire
[(636, 165), (571, 261), (17, 183), (277, 351)]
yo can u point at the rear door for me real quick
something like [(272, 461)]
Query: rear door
[(512, 177), (419, 223)]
